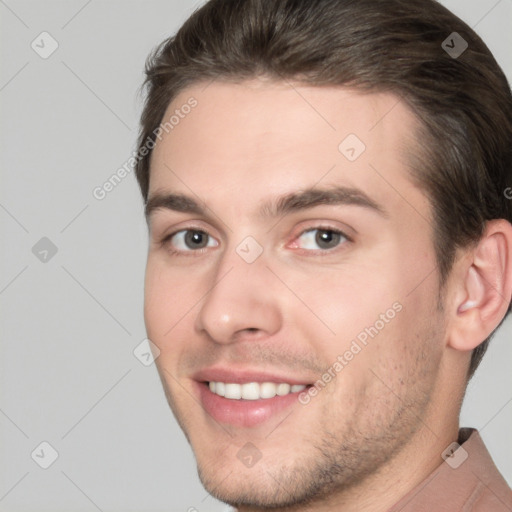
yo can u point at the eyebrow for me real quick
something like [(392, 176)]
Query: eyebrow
[(275, 207)]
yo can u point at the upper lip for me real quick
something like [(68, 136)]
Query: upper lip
[(219, 374)]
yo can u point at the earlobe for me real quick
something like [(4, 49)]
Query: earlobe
[(485, 288)]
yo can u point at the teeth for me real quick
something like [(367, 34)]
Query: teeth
[(283, 389), (233, 391), (253, 390), (220, 388), (268, 390)]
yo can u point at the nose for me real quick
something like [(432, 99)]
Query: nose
[(240, 301)]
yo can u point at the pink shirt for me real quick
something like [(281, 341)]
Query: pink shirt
[(468, 481)]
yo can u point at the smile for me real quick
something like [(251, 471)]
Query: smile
[(253, 390)]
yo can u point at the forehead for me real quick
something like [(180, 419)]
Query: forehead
[(258, 138)]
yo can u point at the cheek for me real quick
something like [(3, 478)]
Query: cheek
[(373, 312), (165, 313), (165, 301), (343, 303), (155, 300), (172, 300)]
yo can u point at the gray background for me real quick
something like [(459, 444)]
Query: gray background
[(69, 325)]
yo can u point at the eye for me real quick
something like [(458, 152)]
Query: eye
[(188, 240), (321, 238)]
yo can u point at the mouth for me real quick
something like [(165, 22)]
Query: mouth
[(246, 399)]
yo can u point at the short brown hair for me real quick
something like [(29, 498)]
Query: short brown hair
[(464, 102)]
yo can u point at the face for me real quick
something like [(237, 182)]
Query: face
[(290, 287)]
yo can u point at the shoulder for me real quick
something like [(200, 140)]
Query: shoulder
[(490, 490), (467, 481)]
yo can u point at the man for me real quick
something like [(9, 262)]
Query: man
[(330, 249)]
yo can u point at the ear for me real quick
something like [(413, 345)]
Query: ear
[(482, 287)]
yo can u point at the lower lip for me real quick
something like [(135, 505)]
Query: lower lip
[(243, 413)]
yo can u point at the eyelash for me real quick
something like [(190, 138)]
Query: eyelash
[(165, 242)]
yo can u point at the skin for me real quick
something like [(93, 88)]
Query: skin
[(379, 427)]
